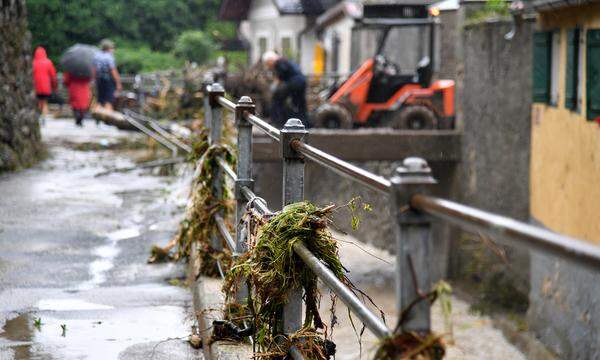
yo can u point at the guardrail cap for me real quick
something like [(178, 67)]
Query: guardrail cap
[(245, 100), (216, 87), (293, 124), (414, 170)]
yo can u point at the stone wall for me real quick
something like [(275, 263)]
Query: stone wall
[(20, 141), (494, 96)]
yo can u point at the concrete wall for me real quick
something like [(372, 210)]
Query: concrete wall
[(20, 142), (447, 40), (494, 95), (565, 197)]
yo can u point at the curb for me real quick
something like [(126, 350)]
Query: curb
[(207, 303)]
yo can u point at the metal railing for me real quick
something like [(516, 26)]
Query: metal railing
[(413, 211)]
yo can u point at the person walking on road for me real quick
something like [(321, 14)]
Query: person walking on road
[(289, 97), (79, 95), (108, 81), (44, 80)]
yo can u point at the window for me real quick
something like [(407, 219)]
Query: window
[(593, 74), (262, 45), (554, 69), (286, 47), (335, 52), (572, 70), (541, 66)]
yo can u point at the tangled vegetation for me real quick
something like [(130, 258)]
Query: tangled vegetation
[(410, 345), (420, 346), (198, 224), (271, 271)]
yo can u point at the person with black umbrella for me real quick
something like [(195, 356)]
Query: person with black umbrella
[(78, 66), (108, 80)]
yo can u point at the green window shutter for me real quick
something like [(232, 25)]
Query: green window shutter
[(542, 55), (593, 74), (572, 69)]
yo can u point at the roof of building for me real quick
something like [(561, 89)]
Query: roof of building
[(398, 2), (545, 5), (446, 5), (238, 9), (351, 9)]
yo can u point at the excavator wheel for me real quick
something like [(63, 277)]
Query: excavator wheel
[(414, 117), (332, 116)]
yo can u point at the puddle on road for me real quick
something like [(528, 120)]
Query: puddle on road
[(124, 234), (90, 334), (69, 305), (107, 254)]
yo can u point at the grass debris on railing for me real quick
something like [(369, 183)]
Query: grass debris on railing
[(199, 224), (272, 270)]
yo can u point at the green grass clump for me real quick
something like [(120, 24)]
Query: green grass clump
[(272, 270)]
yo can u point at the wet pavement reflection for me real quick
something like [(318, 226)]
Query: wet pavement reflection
[(74, 283)]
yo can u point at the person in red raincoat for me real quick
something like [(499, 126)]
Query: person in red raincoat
[(79, 95), (44, 79)]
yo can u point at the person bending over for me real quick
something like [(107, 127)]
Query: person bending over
[(289, 97)]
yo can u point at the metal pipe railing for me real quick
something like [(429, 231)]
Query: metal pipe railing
[(160, 139), (225, 232), (226, 168), (264, 126), (226, 103), (156, 127), (342, 167), (510, 231), (258, 202), (371, 321)]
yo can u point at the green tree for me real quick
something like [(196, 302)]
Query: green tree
[(194, 46), (133, 60), (58, 24)]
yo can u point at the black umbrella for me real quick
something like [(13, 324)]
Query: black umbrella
[(78, 60)]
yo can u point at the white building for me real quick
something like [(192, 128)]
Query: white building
[(277, 25), (325, 36)]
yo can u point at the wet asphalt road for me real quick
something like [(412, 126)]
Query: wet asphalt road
[(73, 250)]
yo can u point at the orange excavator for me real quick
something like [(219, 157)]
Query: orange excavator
[(377, 94)]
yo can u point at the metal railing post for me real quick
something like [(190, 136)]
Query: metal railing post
[(244, 178), (244, 163), (207, 111), (293, 191), (214, 138), (413, 245)]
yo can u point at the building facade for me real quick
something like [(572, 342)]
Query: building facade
[(565, 171)]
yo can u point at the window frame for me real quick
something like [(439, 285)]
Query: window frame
[(591, 116), (554, 80), (573, 59), (541, 67)]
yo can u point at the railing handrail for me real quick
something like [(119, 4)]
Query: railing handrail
[(371, 321), (408, 187), (516, 232), (342, 167), (264, 126)]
